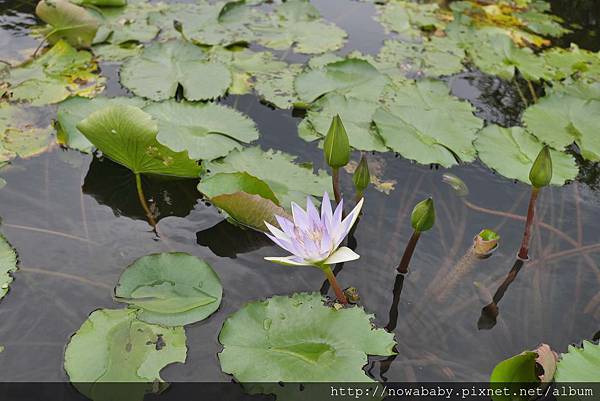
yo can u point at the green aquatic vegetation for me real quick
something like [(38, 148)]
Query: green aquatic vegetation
[(19, 135), (60, 72), (568, 115), (511, 152), (423, 122), (115, 53), (433, 57), (67, 21), (247, 200), (573, 62), (127, 135), (352, 77), (119, 25), (170, 289), (289, 181), (579, 364), (297, 24), (73, 110), (410, 19), (299, 339), (101, 3), (277, 87), (422, 219), (161, 68), (113, 346), (205, 130), (8, 265)]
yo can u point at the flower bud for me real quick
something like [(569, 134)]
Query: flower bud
[(361, 177), (423, 215), (540, 174), (337, 146), (485, 243), (178, 26)]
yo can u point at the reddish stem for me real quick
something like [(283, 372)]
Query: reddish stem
[(408, 252), (524, 251), (339, 294), (335, 178)]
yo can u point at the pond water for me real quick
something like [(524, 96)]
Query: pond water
[(76, 223)]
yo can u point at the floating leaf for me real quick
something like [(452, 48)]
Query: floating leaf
[(511, 152), (356, 114), (127, 24), (8, 265), (297, 24), (171, 289), (127, 135), (579, 364), (567, 62), (562, 118), (68, 21), (115, 356), (288, 180), (110, 52), (423, 122), (246, 199), (57, 74), (516, 374), (277, 87), (408, 19), (20, 134), (73, 110), (351, 77), (299, 339), (161, 67), (205, 130)]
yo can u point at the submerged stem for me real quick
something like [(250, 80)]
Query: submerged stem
[(532, 91), (408, 252), (335, 179), (521, 95), (524, 251), (143, 202), (339, 294)]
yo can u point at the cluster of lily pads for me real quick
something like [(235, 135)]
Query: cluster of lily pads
[(178, 59)]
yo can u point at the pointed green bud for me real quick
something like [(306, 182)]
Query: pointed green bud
[(337, 146), (178, 26), (540, 174), (361, 177), (423, 216)]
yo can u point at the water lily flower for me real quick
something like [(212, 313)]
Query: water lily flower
[(314, 239)]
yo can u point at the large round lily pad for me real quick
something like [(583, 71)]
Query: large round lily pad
[(161, 67), (114, 356), (8, 265), (580, 364), (299, 339), (172, 289)]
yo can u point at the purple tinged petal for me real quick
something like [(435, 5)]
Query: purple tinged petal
[(300, 216), (337, 215), (288, 246), (276, 231), (326, 213), (354, 213), (286, 225), (343, 254), (289, 261), (313, 214)]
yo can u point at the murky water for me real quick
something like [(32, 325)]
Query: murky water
[(76, 223)]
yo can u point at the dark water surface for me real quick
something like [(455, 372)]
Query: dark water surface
[(76, 224)]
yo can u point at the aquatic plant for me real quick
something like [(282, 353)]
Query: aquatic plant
[(361, 177), (315, 240), (540, 176), (337, 153), (422, 219)]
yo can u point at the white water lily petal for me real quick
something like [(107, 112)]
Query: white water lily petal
[(288, 261), (343, 254), (276, 231)]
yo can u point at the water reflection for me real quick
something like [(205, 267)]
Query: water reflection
[(114, 185), (228, 240)]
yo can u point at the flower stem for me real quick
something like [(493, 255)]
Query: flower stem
[(339, 294), (520, 92), (143, 202), (335, 178), (408, 252), (524, 251), (532, 91)]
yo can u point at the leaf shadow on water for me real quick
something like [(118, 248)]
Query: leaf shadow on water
[(228, 240), (114, 185)]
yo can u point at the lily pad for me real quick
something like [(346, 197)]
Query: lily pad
[(562, 118), (297, 24), (161, 67), (68, 21), (567, 62), (516, 374), (512, 151), (57, 74), (423, 122), (277, 87), (127, 24), (351, 77), (127, 135), (579, 364), (75, 109), (409, 19), (246, 199), (20, 134), (356, 114), (299, 339), (171, 289), (8, 265), (115, 356), (290, 182), (205, 130)]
